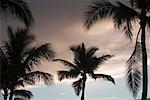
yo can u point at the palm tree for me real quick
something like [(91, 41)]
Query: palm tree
[(19, 57), (18, 9), (85, 63), (123, 16)]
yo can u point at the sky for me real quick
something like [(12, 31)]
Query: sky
[(60, 22)]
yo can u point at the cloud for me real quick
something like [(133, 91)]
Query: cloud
[(61, 24)]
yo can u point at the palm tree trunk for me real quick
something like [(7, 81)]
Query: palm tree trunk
[(144, 58), (83, 91), (11, 96), (83, 88), (5, 95)]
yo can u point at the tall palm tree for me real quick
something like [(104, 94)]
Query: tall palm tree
[(123, 16), (19, 58), (17, 8), (85, 63)]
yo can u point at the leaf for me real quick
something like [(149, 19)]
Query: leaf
[(23, 93), (134, 70), (99, 10), (36, 54), (68, 74), (67, 63), (38, 75), (103, 76), (17, 8), (77, 85)]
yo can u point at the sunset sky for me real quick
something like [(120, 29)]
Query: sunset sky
[(60, 22)]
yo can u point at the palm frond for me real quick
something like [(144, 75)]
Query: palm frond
[(36, 54), (103, 76), (67, 63), (77, 85), (134, 70), (17, 44), (4, 69), (23, 93), (24, 80), (19, 9), (99, 10), (19, 40), (123, 17), (80, 56), (79, 51), (24, 36), (3, 57), (92, 63), (68, 74), (40, 76), (91, 51), (104, 58), (121, 14), (10, 34), (128, 30)]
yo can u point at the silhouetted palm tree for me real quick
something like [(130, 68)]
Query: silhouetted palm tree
[(18, 9), (85, 63), (19, 57), (123, 16)]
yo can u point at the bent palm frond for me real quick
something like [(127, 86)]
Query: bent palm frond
[(37, 54), (23, 36), (103, 76), (121, 15), (19, 40), (98, 10), (134, 70), (19, 9), (77, 85), (91, 51), (104, 58), (38, 75), (67, 63), (23, 93), (94, 62), (25, 80), (68, 74)]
